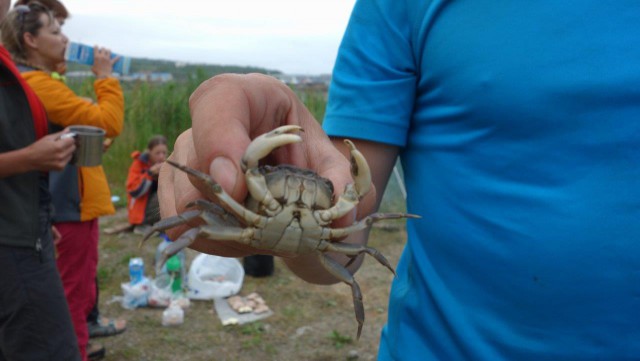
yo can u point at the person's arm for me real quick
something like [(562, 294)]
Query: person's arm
[(65, 108), (139, 181), (242, 107), (48, 153), (102, 62), (154, 170)]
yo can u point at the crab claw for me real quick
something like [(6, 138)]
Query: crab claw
[(359, 170), (267, 142)]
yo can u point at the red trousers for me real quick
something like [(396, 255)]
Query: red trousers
[(77, 263)]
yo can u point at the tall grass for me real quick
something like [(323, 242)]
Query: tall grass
[(314, 100), (150, 109)]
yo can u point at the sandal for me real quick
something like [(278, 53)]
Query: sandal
[(106, 327), (95, 351)]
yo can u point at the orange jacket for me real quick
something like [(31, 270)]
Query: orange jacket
[(92, 196), (139, 186)]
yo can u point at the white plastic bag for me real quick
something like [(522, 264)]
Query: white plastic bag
[(213, 276), (173, 315), (160, 295), (135, 295)]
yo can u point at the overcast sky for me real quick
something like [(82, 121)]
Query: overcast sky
[(297, 37)]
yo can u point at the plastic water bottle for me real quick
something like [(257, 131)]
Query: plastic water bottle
[(161, 246), (174, 268), (136, 270), (83, 54)]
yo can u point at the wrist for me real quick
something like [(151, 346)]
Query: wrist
[(28, 160)]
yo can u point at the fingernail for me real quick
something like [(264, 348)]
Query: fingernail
[(224, 173)]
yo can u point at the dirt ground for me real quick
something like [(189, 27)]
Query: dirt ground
[(310, 322)]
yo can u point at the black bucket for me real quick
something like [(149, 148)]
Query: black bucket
[(258, 265)]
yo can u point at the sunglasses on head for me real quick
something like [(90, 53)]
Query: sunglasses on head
[(22, 10)]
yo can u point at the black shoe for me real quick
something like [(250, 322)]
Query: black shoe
[(105, 327), (95, 351)]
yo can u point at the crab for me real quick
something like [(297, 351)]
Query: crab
[(288, 211)]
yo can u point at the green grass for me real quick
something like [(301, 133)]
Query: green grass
[(339, 340)]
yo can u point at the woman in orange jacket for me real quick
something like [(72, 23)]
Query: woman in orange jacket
[(80, 194), (142, 183)]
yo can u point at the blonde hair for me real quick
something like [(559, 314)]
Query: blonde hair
[(20, 20)]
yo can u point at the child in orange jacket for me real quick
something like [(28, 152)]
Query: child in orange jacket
[(142, 182)]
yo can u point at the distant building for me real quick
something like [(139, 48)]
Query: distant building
[(78, 74), (141, 76), (149, 77), (305, 81)]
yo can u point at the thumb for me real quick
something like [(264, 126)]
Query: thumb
[(226, 173), (220, 111)]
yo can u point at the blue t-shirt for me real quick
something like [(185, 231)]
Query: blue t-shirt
[(519, 129)]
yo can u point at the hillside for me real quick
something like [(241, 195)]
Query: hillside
[(181, 71)]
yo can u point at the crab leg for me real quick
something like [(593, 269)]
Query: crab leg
[(215, 214), (224, 198), (184, 241), (207, 205), (188, 216), (353, 250), (365, 223), (257, 186), (214, 233), (171, 222), (264, 144), (341, 273), (345, 203), (237, 234)]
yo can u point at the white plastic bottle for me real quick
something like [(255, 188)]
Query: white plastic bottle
[(83, 54), (161, 246)]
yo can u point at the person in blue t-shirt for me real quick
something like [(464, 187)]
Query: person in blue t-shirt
[(518, 128)]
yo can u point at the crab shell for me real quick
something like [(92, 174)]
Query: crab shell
[(298, 192)]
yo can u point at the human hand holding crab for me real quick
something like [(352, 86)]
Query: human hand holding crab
[(288, 211)]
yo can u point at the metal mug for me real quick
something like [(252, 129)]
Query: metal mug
[(89, 145)]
